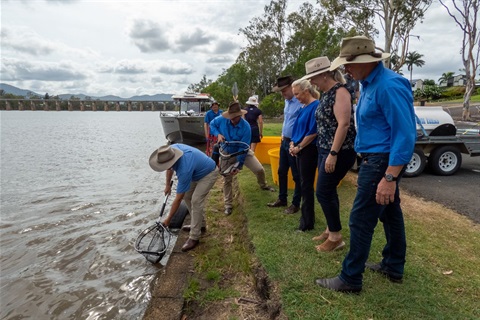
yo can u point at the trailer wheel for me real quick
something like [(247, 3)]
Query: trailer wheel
[(417, 164), (445, 160)]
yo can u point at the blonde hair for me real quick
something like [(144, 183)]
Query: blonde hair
[(306, 85)]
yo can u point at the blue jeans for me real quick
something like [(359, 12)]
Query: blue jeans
[(363, 219), (307, 166), (327, 184), (288, 162)]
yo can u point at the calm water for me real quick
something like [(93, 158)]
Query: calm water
[(76, 189)]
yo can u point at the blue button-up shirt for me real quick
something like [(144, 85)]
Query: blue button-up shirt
[(385, 116), (240, 132), (193, 165), (290, 114), (210, 115)]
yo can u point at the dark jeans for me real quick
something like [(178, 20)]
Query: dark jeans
[(307, 166), (327, 184), (288, 162), (363, 219)]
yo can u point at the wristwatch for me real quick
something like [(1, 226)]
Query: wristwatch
[(389, 177), (333, 153)]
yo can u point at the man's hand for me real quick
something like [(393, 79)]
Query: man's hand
[(385, 192), (220, 138)]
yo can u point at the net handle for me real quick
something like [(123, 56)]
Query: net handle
[(229, 155), (165, 200)]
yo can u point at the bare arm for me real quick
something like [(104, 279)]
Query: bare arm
[(260, 125)]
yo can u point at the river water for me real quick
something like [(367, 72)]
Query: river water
[(76, 190)]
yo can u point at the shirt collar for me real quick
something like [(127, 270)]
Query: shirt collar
[(369, 79)]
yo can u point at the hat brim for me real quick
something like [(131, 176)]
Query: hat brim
[(165, 165), (278, 89), (233, 115), (364, 58), (316, 73), (251, 103)]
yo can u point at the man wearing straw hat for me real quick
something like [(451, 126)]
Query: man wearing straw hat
[(232, 127), (385, 141), (196, 173)]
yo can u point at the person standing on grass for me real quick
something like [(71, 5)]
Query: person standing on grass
[(209, 116), (385, 140), (335, 138), (255, 120), (232, 127), (287, 161), (303, 147), (196, 173)]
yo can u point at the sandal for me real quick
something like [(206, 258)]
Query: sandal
[(322, 237), (330, 245)]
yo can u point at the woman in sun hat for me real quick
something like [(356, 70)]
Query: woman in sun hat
[(335, 139), (255, 120)]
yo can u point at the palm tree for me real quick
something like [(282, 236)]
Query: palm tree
[(414, 59), (445, 76)]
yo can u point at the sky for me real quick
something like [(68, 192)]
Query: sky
[(137, 47)]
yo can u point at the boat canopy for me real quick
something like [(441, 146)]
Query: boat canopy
[(191, 101)]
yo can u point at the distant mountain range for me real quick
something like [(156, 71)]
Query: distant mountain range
[(28, 93)]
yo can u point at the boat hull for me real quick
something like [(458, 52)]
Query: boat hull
[(183, 129)]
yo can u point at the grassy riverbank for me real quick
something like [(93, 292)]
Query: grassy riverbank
[(253, 262)]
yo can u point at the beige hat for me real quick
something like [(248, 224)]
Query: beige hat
[(164, 158), (253, 100), (316, 66), (234, 110), (359, 49), (282, 83)]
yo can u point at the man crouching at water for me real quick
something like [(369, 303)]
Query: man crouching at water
[(196, 174)]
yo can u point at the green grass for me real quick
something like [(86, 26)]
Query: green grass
[(272, 128), (435, 247)]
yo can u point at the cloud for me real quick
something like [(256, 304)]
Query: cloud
[(19, 70), (221, 59), (175, 67), (129, 67), (191, 40), (226, 46), (23, 41), (148, 36)]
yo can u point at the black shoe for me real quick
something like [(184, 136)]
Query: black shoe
[(278, 203), (189, 245), (188, 227), (268, 188), (377, 267), (228, 211), (292, 209), (336, 284)]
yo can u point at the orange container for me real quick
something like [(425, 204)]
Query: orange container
[(268, 142)]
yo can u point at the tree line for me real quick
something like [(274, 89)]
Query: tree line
[(279, 43)]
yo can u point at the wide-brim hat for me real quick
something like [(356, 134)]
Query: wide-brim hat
[(316, 66), (359, 49), (234, 110), (164, 158), (282, 83), (252, 101), (213, 102)]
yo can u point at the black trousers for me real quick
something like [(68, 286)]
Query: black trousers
[(307, 166)]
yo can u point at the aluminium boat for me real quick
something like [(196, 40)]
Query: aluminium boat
[(186, 125)]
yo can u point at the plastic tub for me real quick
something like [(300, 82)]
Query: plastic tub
[(268, 142)]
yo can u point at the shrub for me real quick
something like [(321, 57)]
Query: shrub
[(272, 105), (429, 92)]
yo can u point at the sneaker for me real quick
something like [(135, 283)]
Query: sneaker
[(292, 209), (228, 211)]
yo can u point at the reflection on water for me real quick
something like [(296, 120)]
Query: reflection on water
[(76, 190)]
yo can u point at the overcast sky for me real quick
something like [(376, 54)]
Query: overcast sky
[(126, 48)]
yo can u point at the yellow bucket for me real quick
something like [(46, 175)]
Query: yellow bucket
[(268, 142), (274, 164)]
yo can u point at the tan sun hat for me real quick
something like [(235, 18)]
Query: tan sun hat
[(316, 66), (164, 158), (234, 110), (359, 49)]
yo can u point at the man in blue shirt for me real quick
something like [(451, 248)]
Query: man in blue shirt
[(232, 127), (209, 116), (385, 140), (287, 161), (196, 173)]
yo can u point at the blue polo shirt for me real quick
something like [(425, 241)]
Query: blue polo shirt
[(290, 114), (305, 124), (193, 165), (240, 132), (210, 115), (385, 116)]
